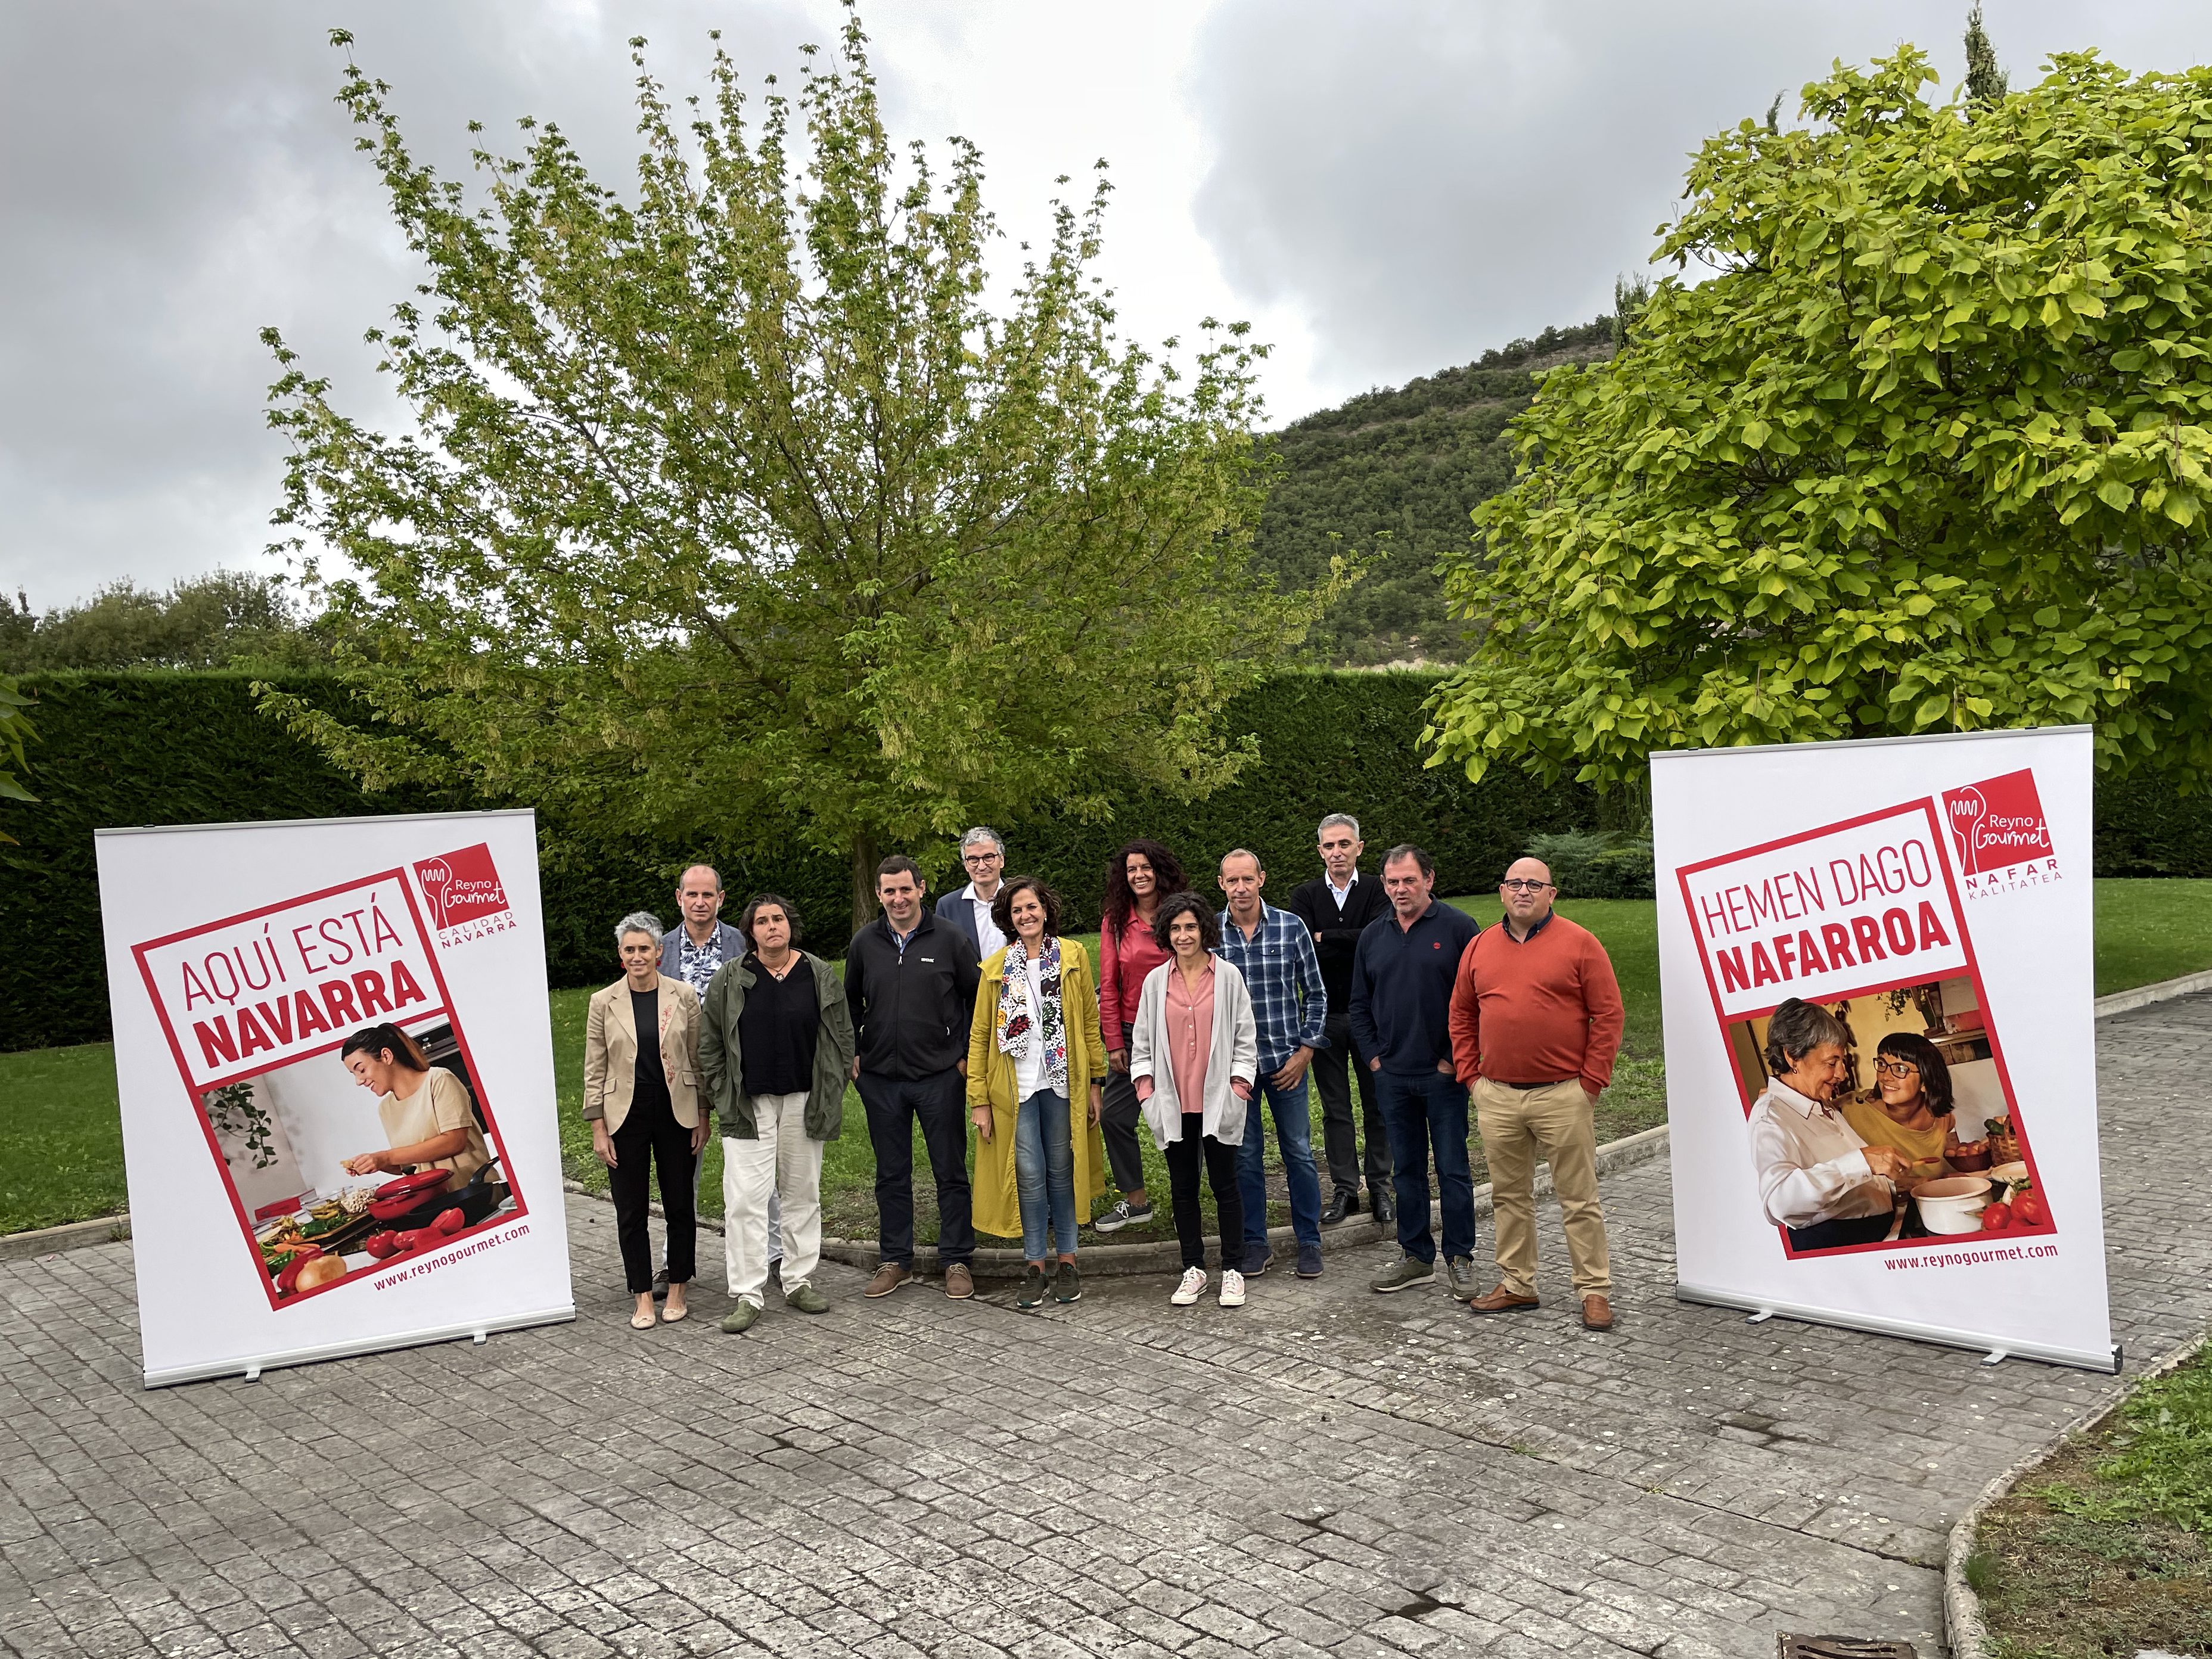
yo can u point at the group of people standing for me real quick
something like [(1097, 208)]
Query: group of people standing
[(1197, 1027)]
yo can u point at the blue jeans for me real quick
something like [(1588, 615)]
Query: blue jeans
[(1422, 1112), (1044, 1174), (1294, 1135)]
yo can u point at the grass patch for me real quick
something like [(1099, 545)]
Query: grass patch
[(2149, 931), (61, 1144), (61, 1137), (2105, 1549)]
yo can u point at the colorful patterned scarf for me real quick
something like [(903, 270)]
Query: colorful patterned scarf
[(1015, 1029)]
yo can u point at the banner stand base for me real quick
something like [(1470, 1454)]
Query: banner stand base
[(251, 1369), (1762, 1309)]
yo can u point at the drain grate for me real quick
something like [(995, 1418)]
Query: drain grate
[(1841, 1647)]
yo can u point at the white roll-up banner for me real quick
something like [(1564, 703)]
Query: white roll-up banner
[(270, 1220), (1875, 961)]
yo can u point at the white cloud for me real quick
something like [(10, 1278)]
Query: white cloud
[(1410, 182), (1383, 188)]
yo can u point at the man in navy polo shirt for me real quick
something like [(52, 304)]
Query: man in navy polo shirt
[(1401, 985)]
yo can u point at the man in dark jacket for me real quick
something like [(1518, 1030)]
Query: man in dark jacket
[(911, 979), (1401, 985), (969, 909), (1336, 907)]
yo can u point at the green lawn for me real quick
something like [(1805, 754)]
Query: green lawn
[(2147, 930), (61, 1151), (61, 1137), (2107, 1547)]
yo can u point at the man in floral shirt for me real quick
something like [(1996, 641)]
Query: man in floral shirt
[(694, 953)]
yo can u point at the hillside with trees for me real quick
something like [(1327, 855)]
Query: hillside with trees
[(1395, 473)]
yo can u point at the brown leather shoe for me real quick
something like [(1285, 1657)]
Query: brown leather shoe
[(1501, 1300), (888, 1277), (959, 1283), (1597, 1313)]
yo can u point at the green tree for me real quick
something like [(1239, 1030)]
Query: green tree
[(1985, 82), (219, 620), (16, 730), (733, 500), (1930, 451)]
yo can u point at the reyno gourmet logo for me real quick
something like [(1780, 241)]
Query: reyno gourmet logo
[(1998, 829), (464, 892)]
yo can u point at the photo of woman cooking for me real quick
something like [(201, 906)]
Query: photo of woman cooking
[(342, 1161), (428, 1118), (1883, 1118)]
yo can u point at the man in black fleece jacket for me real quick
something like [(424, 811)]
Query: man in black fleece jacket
[(1336, 907), (910, 980)]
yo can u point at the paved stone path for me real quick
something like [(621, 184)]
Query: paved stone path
[(1328, 1471)]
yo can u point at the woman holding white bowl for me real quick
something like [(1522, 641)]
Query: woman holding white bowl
[(1819, 1180)]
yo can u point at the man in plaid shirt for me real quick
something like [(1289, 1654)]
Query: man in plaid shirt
[(1275, 954)]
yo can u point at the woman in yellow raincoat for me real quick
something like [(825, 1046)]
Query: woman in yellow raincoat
[(1036, 1070)]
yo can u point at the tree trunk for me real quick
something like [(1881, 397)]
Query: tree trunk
[(864, 881)]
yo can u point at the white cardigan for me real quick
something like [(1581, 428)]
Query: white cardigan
[(1235, 1054)]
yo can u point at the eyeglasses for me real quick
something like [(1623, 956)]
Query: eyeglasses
[(1524, 886), (980, 858), (1895, 1068)]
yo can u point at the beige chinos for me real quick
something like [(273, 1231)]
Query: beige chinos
[(1553, 1123)]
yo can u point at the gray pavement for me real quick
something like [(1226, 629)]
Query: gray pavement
[(1326, 1471)]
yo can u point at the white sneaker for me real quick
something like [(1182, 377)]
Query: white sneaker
[(1232, 1289), (1193, 1281)]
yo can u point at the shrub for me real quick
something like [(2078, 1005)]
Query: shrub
[(1597, 863)]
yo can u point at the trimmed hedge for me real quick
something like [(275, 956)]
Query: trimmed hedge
[(2144, 829), (190, 747)]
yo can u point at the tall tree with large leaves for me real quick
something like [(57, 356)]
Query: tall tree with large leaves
[(16, 731), (735, 502), (1931, 450)]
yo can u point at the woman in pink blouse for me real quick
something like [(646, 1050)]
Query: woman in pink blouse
[(1193, 1051)]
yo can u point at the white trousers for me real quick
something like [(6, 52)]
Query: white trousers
[(774, 1214), (781, 1162)]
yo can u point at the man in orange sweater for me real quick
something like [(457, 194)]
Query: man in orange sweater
[(1536, 1024)]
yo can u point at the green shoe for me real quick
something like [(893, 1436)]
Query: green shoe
[(806, 1299), (1460, 1269), (739, 1318), (1410, 1271)]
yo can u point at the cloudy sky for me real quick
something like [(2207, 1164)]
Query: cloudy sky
[(1384, 187)]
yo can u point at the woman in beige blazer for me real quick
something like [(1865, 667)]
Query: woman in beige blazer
[(643, 1099)]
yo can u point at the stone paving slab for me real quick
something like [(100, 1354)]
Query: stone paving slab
[(1326, 1472)]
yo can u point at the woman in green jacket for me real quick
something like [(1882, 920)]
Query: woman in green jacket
[(1036, 1067), (775, 1047)]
